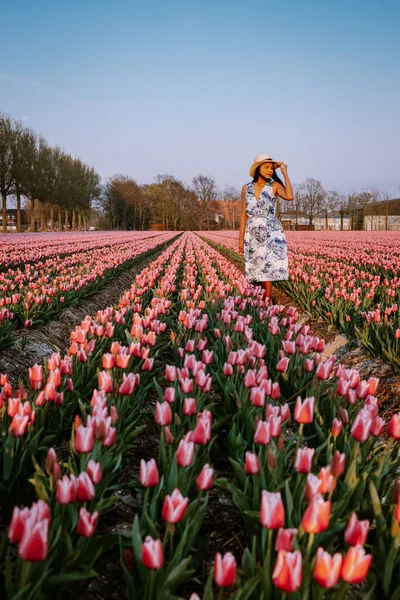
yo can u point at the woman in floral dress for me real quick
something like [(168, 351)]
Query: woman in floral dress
[(262, 239)]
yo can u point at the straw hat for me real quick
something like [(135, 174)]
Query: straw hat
[(259, 160)]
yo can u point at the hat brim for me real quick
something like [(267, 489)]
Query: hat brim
[(261, 162)]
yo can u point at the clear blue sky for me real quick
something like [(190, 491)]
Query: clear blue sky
[(183, 87)]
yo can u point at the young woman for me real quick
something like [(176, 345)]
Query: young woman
[(261, 238)]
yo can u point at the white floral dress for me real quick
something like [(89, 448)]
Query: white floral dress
[(265, 247)]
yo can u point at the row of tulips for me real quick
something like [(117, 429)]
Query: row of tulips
[(350, 279), (219, 354), (39, 291), (20, 249)]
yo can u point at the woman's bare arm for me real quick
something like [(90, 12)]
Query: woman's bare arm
[(286, 191)]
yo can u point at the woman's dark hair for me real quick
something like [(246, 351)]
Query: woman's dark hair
[(275, 177)]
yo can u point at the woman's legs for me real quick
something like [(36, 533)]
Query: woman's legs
[(268, 288)]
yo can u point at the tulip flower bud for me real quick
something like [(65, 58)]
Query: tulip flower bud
[(304, 411), (152, 553), (316, 516), (284, 539), (337, 426), (356, 531), (87, 523), (338, 464), (287, 574), (327, 568), (225, 570), (205, 480), (94, 471), (355, 565), (272, 511), (304, 458), (174, 507), (394, 426), (251, 463), (149, 476)]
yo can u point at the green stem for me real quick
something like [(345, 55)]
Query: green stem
[(151, 587)]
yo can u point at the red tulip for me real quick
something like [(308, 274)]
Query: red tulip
[(361, 426), (283, 365), (225, 570), (36, 377), (272, 511), (168, 437), (107, 361), (284, 539), (66, 490), (149, 476), (304, 458), (84, 487), (128, 384), (394, 427), (338, 464), (263, 432), (17, 525), (189, 407), (337, 426), (84, 439), (355, 565), (105, 381), (316, 516), (87, 523), (170, 395), (34, 544), (397, 511), (228, 370), (356, 531), (327, 568), (287, 575), (257, 396), (170, 373), (184, 454), (18, 425), (152, 553), (313, 487), (202, 432), (328, 482), (304, 411), (252, 465), (94, 471), (205, 480), (174, 507), (163, 413)]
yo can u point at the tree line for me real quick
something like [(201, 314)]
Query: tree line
[(63, 191), (59, 187)]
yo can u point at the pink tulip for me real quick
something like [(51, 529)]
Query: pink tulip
[(87, 523), (163, 414), (205, 480), (174, 507), (263, 433), (284, 539), (94, 471), (66, 490), (84, 439), (184, 454), (152, 553), (251, 463), (225, 570), (149, 476), (356, 531), (84, 487), (304, 458), (304, 411), (34, 544), (394, 427), (272, 512), (189, 407)]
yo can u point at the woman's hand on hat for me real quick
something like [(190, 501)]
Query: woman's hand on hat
[(283, 168)]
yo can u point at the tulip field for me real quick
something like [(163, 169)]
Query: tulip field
[(240, 408), (42, 275), (351, 279)]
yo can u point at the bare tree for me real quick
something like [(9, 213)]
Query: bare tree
[(231, 197), (206, 191), (311, 194), (6, 174)]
